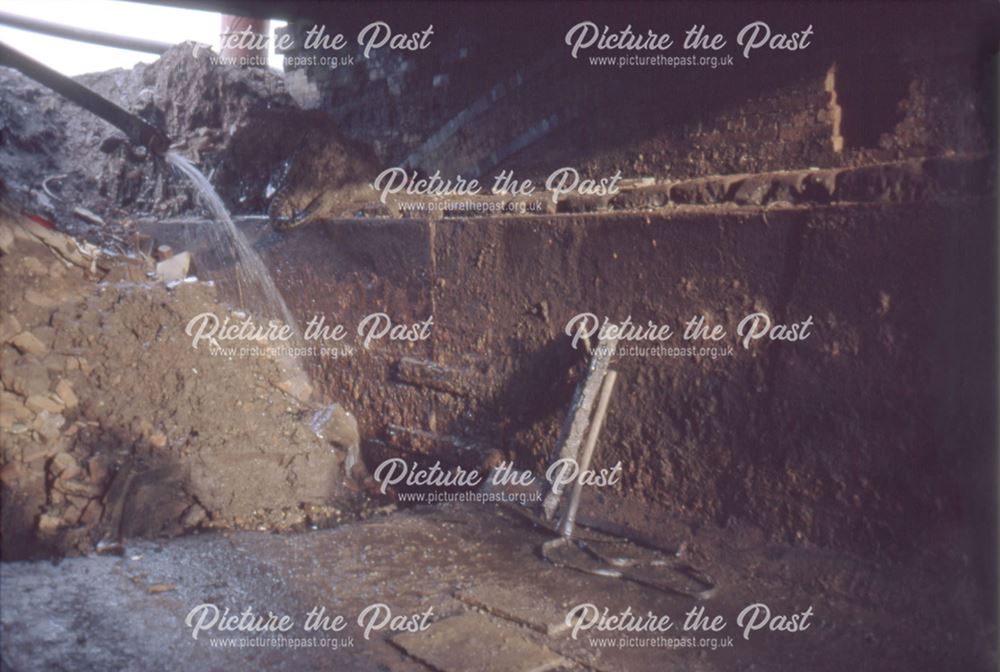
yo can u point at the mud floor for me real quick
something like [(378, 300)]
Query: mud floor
[(491, 596)]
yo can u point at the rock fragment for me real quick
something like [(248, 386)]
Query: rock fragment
[(40, 299), (29, 344), (26, 376), (6, 239), (9, 328), (174, 268), (194, 516), (64, 389), (13, 410), (42, 402), (63, 466), (49, 425)]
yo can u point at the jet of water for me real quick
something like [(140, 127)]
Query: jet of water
[(254, 283)]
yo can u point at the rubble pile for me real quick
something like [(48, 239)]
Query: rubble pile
[(112, 425), (239, 125)]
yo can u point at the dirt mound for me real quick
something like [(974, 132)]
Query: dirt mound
[(112, 425)]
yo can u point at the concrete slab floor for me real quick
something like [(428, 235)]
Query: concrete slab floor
[(464, 587)]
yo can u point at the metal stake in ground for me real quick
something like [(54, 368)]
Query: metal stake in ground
[(569, 520), (579, 415)]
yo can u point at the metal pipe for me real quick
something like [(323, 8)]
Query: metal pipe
[(138, 130), (607, 386), (82, 34)]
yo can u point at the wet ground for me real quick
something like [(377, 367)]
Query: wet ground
[(473, 575)]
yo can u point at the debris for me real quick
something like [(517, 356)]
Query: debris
[(86, 366), (9, 327), (76, 252), (64, 390), (28, 343), (158, 588), (48, 523), (174, 268), (87, 215), (63, 466), (26, 377), (40, 402), (92, 513), (6, 239), (422, 373), (34, 452), (12, 410), (97, 469), (48, 425), (110, 546), (38, 219), (194, 516), (47, 190), (77, 489)]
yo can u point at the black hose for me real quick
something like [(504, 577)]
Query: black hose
[(138, 130)]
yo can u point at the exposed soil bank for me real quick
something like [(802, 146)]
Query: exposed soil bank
[(899, 459)]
